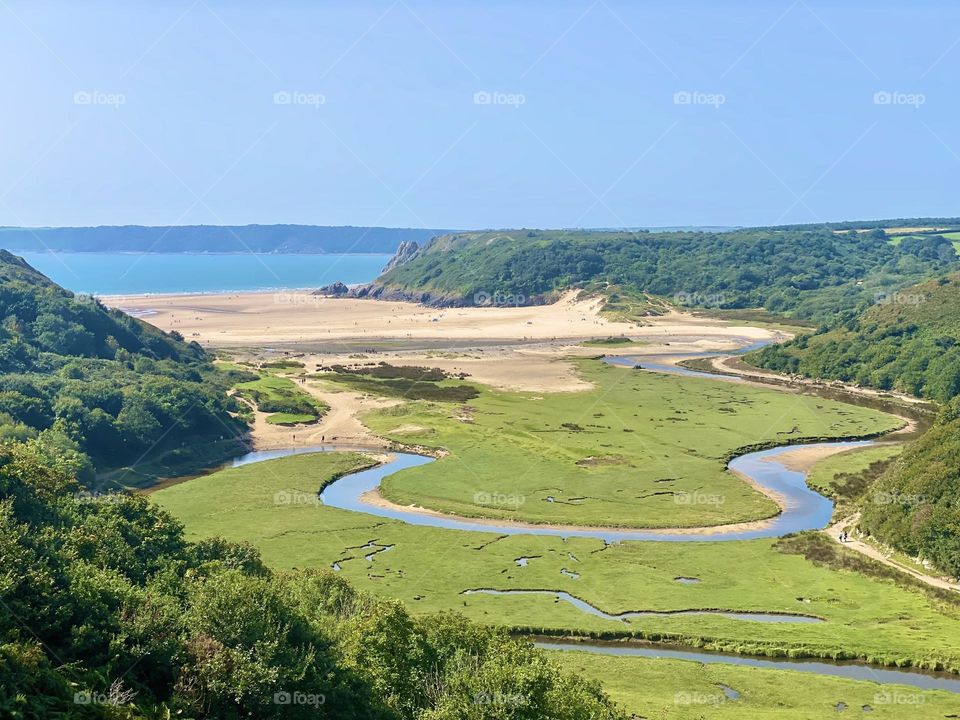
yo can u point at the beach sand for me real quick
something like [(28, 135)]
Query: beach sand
[(284, 318)]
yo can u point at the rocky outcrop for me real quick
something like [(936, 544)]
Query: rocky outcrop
[(337, 289), (405, 253)]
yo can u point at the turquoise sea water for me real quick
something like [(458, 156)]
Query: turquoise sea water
[(132, 273)]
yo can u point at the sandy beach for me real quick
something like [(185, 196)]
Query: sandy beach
[(285, 318)]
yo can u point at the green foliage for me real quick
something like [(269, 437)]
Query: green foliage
[(621, 340), (280, 395), (283, 365), (281, 418), (915, 506), (908, 341), (115, 386), (847, 476), (386, 371), (406, 388), (107, 611), (808, 273)]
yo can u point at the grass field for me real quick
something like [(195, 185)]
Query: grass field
[(664, 689), (627, 453), (845, 477), (273, 505), (280, 396)]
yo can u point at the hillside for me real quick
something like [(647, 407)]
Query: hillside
[(802, 273), (115, 388), (41, 317), (108, 611), (907, 341), (213, 238), (913, 506)]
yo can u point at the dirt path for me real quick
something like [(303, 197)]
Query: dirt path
[(848, 523)]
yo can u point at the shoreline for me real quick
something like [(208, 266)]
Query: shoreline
[(51, 251)]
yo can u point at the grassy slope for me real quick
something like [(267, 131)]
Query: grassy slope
[(810, 273), (914, 505), (845, 477), (685, 690), (26, 294), (653, 439), (909, 341), (127, 391), (428, 568)]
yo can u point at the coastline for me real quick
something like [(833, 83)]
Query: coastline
[(54, 251)]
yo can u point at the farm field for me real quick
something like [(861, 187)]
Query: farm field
[(273, 505), (954, 237), (638, 450)]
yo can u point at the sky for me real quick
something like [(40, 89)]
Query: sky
[(462, 115)]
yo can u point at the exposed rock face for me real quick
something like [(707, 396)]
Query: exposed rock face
[(338, 289), (405, 253)]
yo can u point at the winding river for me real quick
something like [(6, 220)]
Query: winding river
[(803, 509)]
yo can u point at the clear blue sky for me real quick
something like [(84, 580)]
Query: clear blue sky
[(175, 112)]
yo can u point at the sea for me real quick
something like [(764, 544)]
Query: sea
[(166, 273)]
